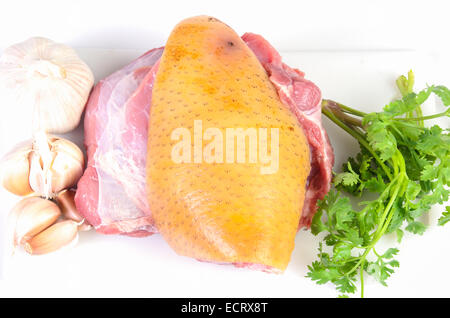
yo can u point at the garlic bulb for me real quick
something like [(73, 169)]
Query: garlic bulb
[(47, 81), (46, 165)]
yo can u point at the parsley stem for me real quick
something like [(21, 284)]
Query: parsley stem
[(407, 123), (420, 119), (386, 218), (327, 112), (329, 102), (420, 115), (380, 231), (375, 252), (361, 259), (361, 278), (401, 186)]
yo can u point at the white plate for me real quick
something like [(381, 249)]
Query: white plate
[(125, 267)]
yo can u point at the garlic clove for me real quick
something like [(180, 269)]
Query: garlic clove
[(53, 238), (55, 164), (15, 169), (67, 204), (67, 166), (13, 216), (31, 216)]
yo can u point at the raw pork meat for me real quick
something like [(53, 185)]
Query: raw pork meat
[(111, 194)]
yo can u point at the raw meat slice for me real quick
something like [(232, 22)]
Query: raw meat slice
[(111, 193)]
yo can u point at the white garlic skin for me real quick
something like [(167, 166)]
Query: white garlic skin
[(47, 81)]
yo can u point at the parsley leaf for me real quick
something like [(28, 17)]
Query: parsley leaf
[(445, 216)]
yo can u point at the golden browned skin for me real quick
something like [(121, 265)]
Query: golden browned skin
[(222, 212)]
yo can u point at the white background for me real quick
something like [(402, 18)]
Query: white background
[(289, 25), (352, 49)]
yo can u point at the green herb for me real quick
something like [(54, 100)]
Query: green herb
[(403, 161)]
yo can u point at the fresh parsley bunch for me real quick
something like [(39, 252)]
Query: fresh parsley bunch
[(403, 161)]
